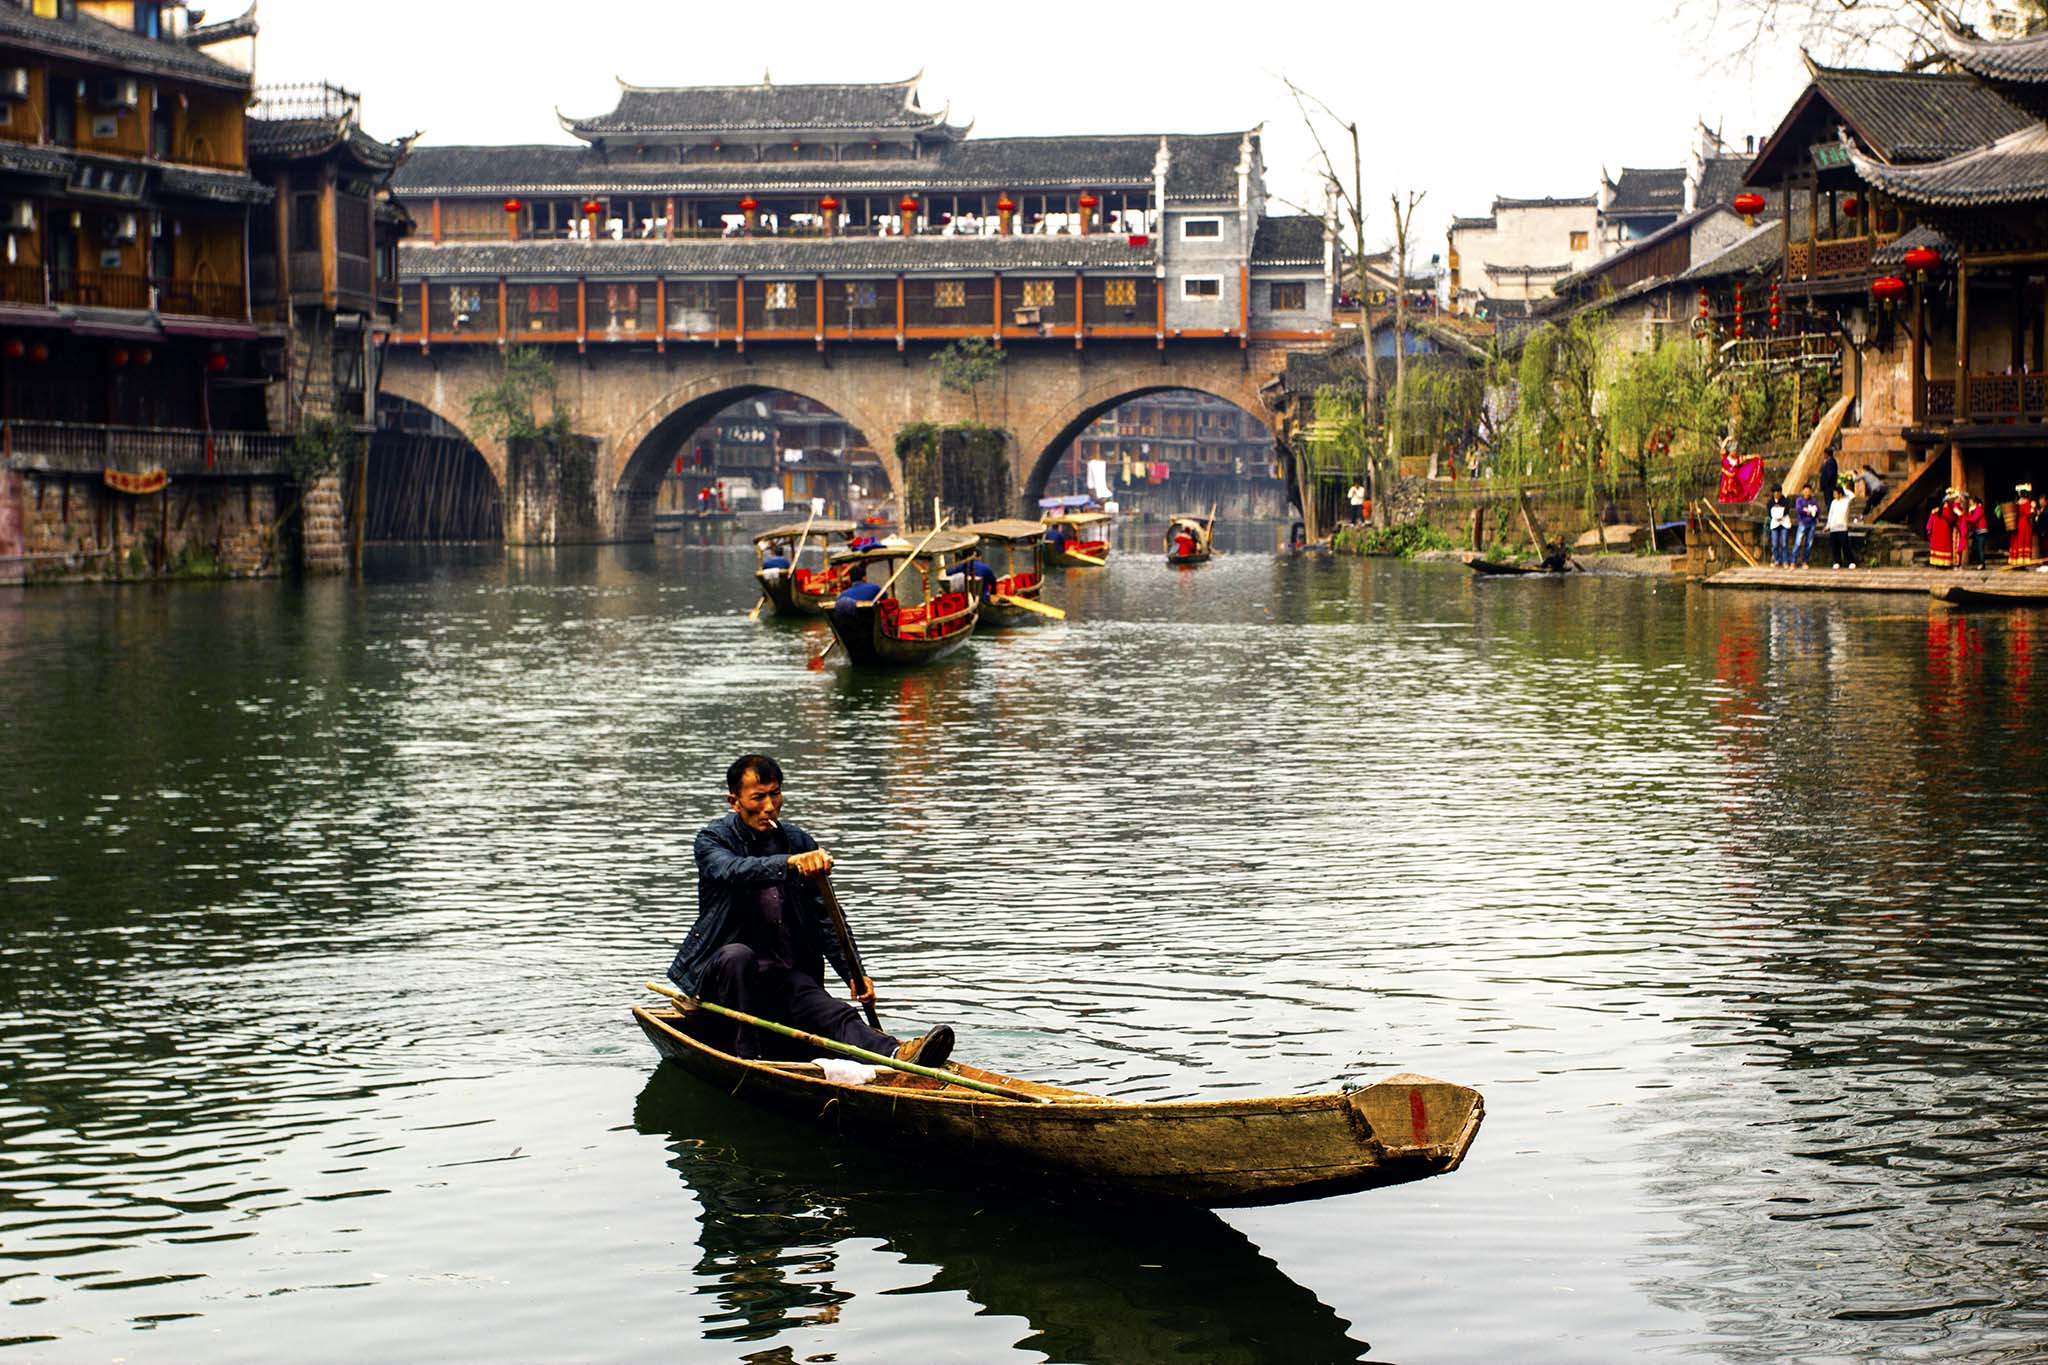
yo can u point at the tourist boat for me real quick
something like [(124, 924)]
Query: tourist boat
[(805, 588), (1077, 538), (1221, 1153), (1957, 595), (919, 619), (1015, 549), (1200, 530)]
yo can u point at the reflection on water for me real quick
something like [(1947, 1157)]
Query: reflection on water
[(778, 1202), (323, 903)]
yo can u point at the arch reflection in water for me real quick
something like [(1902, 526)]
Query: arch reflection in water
[(782, 1207)]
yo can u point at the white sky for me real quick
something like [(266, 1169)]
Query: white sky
[(1464, 101)]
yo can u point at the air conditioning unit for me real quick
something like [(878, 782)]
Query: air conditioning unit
[(19, 216), (1025, 317), (117, 92), (13, 83), (121, 227)]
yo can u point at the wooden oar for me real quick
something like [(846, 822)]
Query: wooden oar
[(818, 660), (1041, 608), (845, 1049), (845, 933), (1085, 559)]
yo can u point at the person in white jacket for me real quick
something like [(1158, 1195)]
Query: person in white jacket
[(1838, 528)]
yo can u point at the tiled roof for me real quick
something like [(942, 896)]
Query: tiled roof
[(1487, 224), (1651, 191), (1338, 368), (26, 158), (2016, 61), (1203, 168), (112, 46), (1905, 116), (1651, 242), (282, 139), (1892, 255), (2012, 170), (1586, 203), (765, 107), (730, 256), (225, 187), (1296, 239), (1721, 181)]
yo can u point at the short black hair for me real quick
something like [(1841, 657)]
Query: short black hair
[(766, 771)]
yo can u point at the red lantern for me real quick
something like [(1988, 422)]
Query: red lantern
[(1887, 287), (216, 362), (749, 204), (1852, 206), (1005, 205), (908, 205), (1749, 202), (828, 205), (143, 355), (592, 207), (118, 357), (1703, 300), (14, 350), (1088, 201), (1923, 258), (513, 206), (39, 353)]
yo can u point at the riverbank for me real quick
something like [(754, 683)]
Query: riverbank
[(1915, 581)]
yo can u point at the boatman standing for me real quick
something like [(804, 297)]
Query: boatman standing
[(763, 935)]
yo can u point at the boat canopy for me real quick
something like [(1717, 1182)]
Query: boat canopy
[(1005, 528), (943, 544), (1070, 501), (819, 527), (1193, 518), (1077, 519)]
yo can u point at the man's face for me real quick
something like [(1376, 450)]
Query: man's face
[(758, 803)]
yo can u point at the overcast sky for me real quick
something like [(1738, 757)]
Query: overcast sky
[(1464, 101)]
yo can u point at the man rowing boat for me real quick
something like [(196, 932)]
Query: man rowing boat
[(762, 936)]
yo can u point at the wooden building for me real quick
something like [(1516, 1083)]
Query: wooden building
[(827, 214)]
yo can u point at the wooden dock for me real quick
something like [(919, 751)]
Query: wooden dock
[(1916, 582)]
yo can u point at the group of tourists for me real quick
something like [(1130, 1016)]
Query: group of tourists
[(1959, 530), (1793, 521)]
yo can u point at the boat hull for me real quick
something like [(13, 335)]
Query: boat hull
[(1959, 596), (1218, 1153), (867, 645), (1198, 557), (779, 592), (1490, 568)]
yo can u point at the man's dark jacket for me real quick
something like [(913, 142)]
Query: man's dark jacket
[(733, 864)]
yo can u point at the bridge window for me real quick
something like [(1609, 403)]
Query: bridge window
[(1290, 298), (1040, 293), (780, 297), (1120, 293), (1202, 287), (949, 294), (1201, 227)]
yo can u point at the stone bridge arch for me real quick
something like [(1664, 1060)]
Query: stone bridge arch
[(632, 460), (444, 390), (1039, 449)]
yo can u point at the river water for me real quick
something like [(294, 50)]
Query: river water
[(324, 905)]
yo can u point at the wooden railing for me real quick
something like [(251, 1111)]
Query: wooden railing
[(99, 289), (200, 298), (1832, 256), (1988, 398), (88, 448), (23, 284)]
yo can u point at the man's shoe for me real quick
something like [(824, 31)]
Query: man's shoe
[(932, 1049)]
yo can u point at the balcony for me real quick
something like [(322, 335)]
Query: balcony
[(200, 298), (1987, 398), (87, 448), (99, 289), (1832, 257)]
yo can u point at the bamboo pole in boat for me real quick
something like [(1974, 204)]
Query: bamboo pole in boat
[(847, 1049)]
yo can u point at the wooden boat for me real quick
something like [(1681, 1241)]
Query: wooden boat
[(1220, 1153), (919, 620), (1015, 549), (1490, 566), (805, 588), (1201, 530), (1958, 595), (1077, 539)]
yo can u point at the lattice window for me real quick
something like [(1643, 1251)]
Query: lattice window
[(1120, 293), (781, 297), (949, 294), (1040, 293), (1290, 298)]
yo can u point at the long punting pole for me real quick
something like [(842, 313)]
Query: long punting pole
[(847, 1049)]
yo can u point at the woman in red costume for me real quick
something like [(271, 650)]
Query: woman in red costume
[(2026, 545), (1945, 532)]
